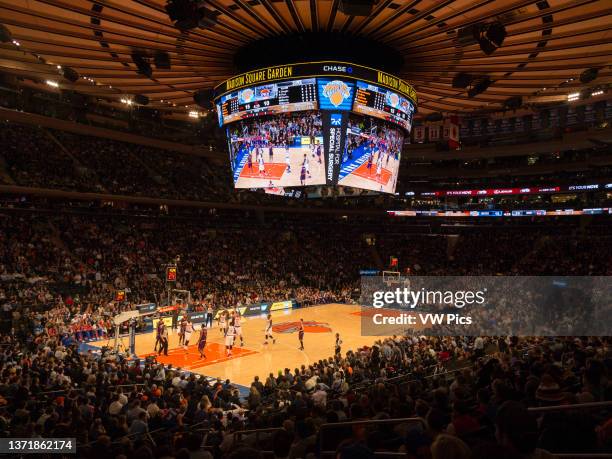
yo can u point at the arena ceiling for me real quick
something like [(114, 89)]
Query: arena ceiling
[(549, 43)]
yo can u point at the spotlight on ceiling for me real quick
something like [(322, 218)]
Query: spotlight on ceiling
[(489, 36), (69, 73), (480, 87), (203, 98), (5, 34), (141, 61), (589, 75), (141, 99), (513, 103), (462, 80), (356, 7), (189, 14), (162, 60)]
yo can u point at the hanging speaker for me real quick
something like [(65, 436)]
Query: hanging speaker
[(203, 98)]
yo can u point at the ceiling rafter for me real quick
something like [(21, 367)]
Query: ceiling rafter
[(544, 47)]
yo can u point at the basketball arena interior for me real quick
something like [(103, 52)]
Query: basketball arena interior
[(301, 229)]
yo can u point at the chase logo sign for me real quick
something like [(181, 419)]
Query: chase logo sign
[(336, 119), (335, 94)]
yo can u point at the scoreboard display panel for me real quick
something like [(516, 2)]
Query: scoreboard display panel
[(268, 99), (383, 103), (315, 123)]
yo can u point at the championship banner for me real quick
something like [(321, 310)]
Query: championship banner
[(453, 132), (334, 137), (434, 133), (419, 134)]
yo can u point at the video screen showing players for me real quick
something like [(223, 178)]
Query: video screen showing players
[(280, 151), (372, 155)]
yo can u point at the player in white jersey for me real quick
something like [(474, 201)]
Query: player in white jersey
[(222, 321), (288, 160), (269, 330), (262, 167), (379, 164), (307, 165), (188, 332), (238, 327), (229, 339)]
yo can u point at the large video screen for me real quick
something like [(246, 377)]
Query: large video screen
[(371, 155), (284, 150), (268, 99), (321, 123), (383, 103)]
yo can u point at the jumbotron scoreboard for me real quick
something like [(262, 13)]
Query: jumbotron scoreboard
[(316, 123)]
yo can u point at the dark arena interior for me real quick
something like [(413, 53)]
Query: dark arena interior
[(298, 229)]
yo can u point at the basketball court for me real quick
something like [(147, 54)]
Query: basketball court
[(362, 177), (278, 172), (255, 358)]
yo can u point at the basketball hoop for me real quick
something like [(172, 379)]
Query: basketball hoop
[(391, 278)]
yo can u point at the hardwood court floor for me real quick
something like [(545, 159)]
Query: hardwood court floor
[(255, 358)]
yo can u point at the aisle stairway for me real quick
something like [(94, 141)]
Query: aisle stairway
[(80, 169)]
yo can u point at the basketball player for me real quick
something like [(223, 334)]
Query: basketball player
[(238, 327), (209, 316), (337, 347), (229, 338), (271, 153), (222, 322), (188, 332), (163, 340), (181, 333), (303, 175), (249, 162), (301, 334), (269, 330), (160, 324), (262, 166), (370, 159), (379, 163), (307, 165), (319, 153), (288, 160), (202, 341)]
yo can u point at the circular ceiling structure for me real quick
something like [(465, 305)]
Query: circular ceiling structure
[(131, 47)]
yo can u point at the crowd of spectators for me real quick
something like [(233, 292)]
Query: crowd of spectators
[(477, 409)]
